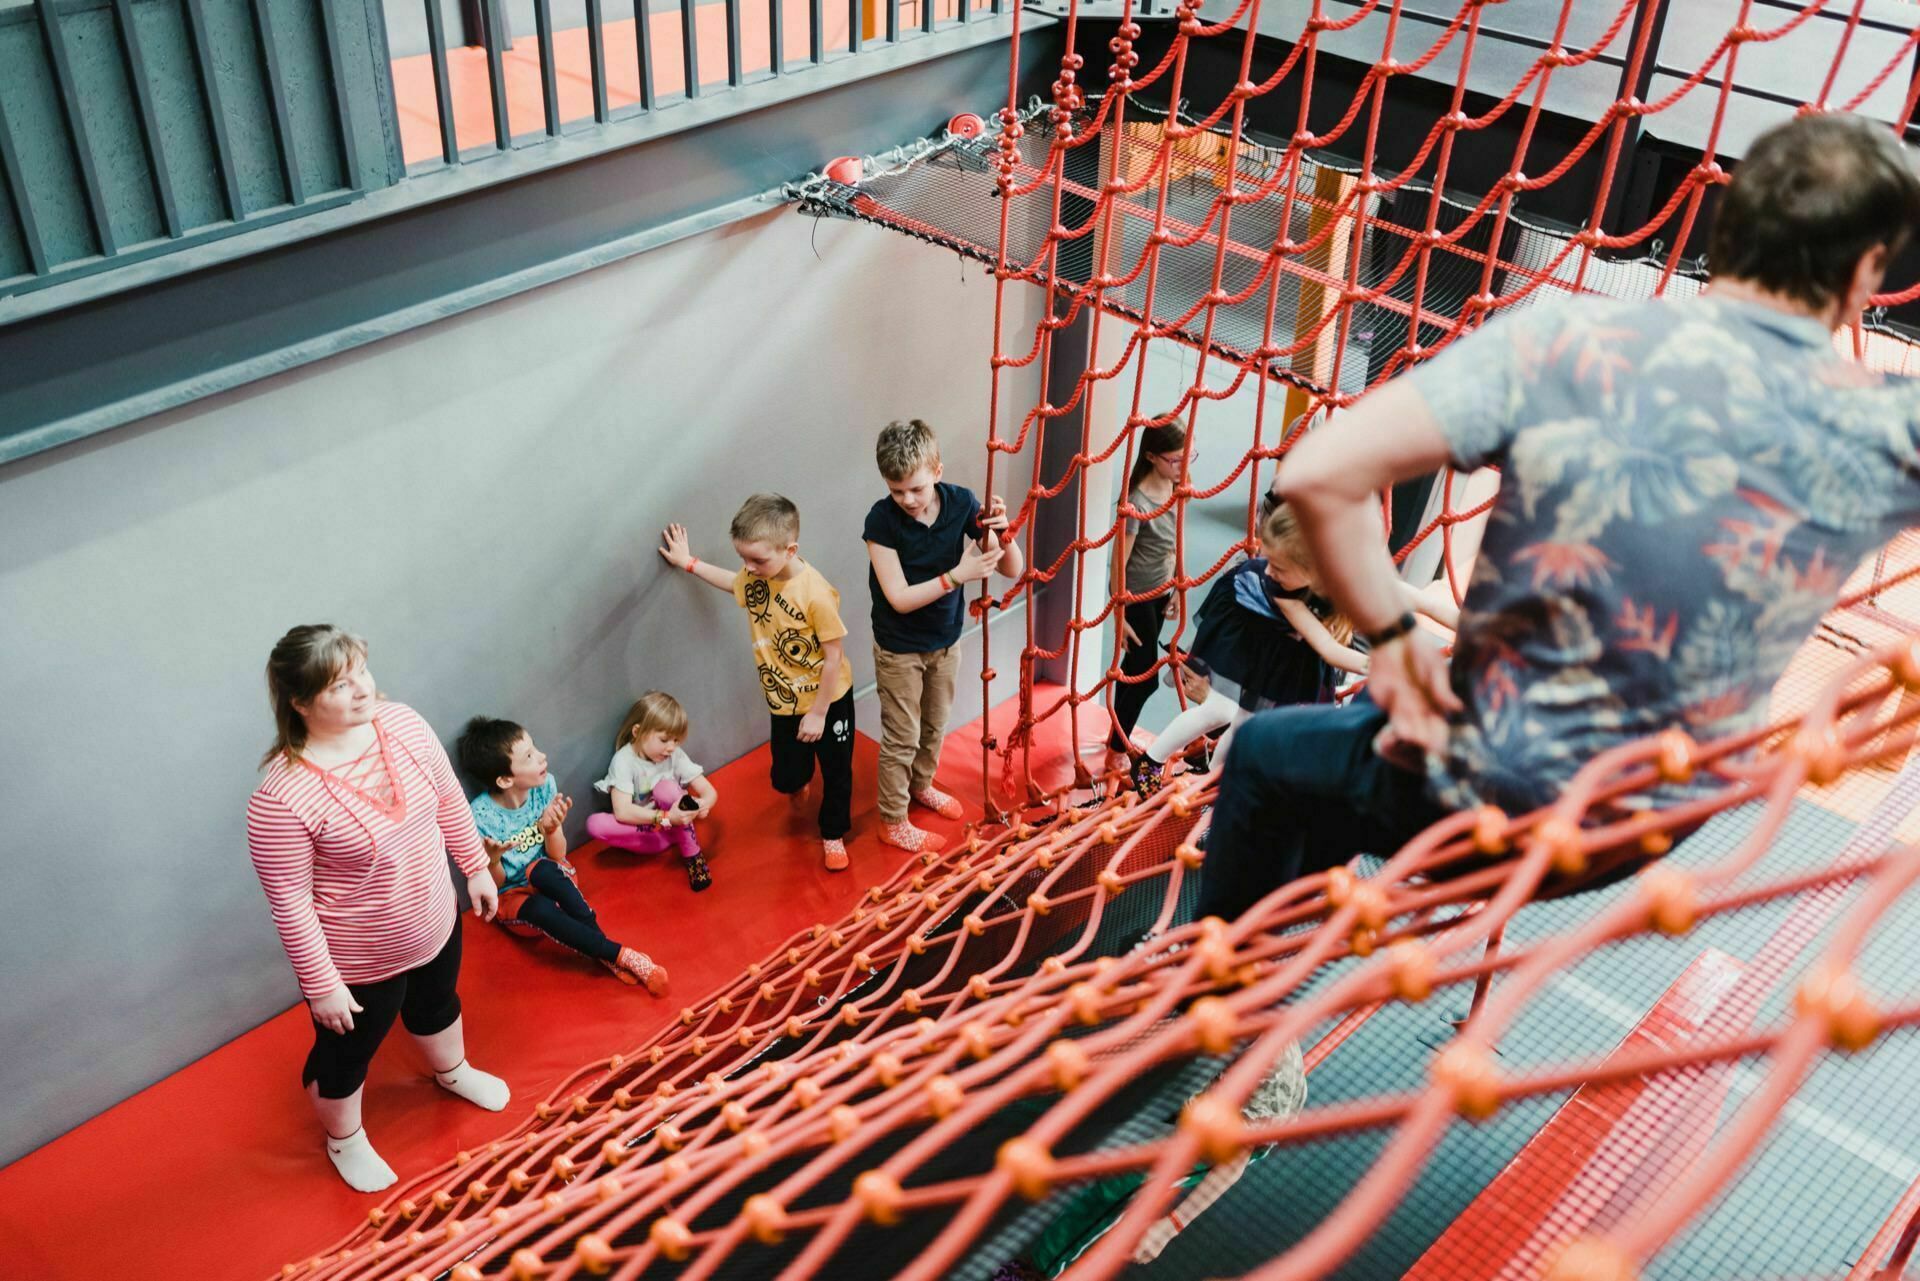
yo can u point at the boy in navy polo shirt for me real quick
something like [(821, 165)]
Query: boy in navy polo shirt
[(926, 539)]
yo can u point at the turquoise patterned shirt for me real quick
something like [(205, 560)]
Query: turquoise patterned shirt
[(1685, 485), (518, 829)]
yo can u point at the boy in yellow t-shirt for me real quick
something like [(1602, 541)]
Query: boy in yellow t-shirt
[(794, 614)]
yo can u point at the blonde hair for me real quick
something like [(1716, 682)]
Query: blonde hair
[(1280, 532), (653, 710), (303, 662), (904, 448), (767, 518), (1280, 529)]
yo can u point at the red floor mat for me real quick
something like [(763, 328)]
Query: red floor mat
[(216, 1173)]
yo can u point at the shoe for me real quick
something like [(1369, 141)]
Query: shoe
[(914, 840), (1148, 776), (834, 855), (698, 877), (1283, 1093), (940, 803), (636, 967)]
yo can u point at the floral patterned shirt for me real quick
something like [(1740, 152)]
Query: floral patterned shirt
[(1685, 485)]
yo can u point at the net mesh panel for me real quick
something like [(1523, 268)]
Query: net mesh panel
[(947, 195), (1699, 1071)]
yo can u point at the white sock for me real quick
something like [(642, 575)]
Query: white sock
[(1198, 718), (358, 1163), (482, 1089)]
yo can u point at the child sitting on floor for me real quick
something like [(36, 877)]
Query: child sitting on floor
[(1265, 639), (519, 814), (658, 793)]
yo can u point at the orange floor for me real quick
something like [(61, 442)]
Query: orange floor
[(473, 104), (215, 1174)]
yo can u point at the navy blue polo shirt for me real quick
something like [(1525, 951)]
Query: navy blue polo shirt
[(925, 551)]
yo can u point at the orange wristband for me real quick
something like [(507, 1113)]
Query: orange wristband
[(693, 563)]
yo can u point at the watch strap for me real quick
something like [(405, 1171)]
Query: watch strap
[(1393, 631)]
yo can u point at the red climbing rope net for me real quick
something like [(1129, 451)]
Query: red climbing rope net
[(929, 1086), (1325, 230)]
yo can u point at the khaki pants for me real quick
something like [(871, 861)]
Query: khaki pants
[(916, 693)]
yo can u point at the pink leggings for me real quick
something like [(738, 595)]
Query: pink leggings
[(648, 840)]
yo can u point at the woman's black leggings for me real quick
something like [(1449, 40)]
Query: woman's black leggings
[(1146, 617), (557, 909), (425, 999)]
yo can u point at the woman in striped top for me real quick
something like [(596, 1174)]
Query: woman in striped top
[(350, 832)]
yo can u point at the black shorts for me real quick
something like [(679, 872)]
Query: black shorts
[(424, 998)]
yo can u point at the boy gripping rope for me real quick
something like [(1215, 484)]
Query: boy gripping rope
[(926, 540)]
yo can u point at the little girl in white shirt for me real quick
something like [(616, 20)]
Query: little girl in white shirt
[(658, 793)]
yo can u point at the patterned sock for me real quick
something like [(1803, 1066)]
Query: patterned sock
[(614, 968), (358, 1163), (482, 1089), (905, 836), (834, 855), (940, 803), (644, 969), (699, 876)]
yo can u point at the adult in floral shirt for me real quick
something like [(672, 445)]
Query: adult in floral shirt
[(1685, 484)]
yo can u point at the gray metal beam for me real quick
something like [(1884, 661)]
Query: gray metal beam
[(1056, 521), (445, 242)]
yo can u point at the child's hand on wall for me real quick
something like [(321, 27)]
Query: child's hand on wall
[(674, 547)]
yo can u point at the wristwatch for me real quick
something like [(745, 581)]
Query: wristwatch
[(1391, 632)]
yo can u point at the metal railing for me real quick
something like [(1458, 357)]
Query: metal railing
[(625, 67), (131, 129)]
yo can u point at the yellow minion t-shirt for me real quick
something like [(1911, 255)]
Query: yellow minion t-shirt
[(792, 622)]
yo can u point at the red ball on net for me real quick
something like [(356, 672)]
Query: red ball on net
[(847, 171), (966, 125)]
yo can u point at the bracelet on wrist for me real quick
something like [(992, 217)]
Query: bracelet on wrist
[(946, 582), (693, 563), (1393, 631)]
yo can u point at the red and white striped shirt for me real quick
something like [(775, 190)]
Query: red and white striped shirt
[(359, 890)]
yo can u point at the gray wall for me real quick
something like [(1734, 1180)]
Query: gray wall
[(481, 499)]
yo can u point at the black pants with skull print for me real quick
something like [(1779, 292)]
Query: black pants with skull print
[(793, 763)]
